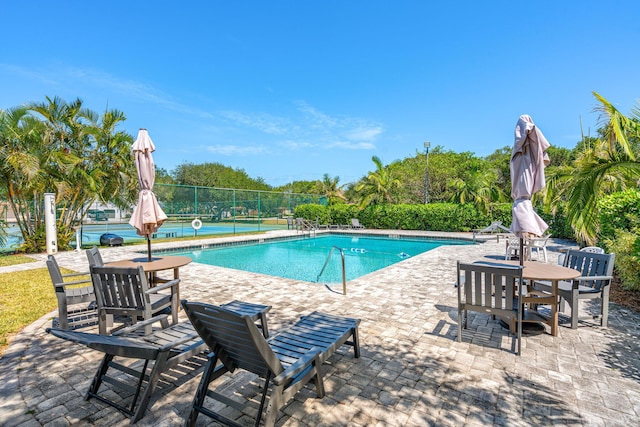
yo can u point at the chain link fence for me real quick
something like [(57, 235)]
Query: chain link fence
[(217, 211)]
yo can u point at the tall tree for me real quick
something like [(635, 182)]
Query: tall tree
[(380, 186), (478, 188), (605, 165), (61, 147), (330, 188)]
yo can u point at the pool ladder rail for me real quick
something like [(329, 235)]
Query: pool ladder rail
[(344, 275)]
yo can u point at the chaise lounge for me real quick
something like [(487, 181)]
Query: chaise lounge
[(289, 359)]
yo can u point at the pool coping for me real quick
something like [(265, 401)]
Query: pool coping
[(264, 238)]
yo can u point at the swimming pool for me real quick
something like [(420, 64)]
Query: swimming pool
[(303, 258)]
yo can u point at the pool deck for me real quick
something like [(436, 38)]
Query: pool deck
[(413, 371)]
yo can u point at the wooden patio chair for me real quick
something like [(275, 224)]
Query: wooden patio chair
[(594, 283), (123, 293), (76, 303), (491, 289), (289, 359), (94, 257)]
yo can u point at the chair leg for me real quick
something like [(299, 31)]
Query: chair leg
[(575, 305), (604, 309), (356, 342), (63, 316), (275, 403), (265, 389), (201, 392), (158, 367), (97, 379)]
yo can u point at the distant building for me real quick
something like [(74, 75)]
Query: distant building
[(99, 212)]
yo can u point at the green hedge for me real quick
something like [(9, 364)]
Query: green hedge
[(619, 217), (619, 211), (433, 216)]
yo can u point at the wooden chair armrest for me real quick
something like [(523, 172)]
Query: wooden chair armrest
[(75, 282), (169, 284), (591, 278), (307, 359), (76, 274), (141, 324)]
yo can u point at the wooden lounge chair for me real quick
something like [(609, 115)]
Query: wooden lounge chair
[(289, 359), (76, 303), (159, 351), (594, 283), (494, 227), (490, 289), (123, 293), (152, 354), (355, 223)]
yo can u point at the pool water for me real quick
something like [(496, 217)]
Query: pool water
[(303, 259)]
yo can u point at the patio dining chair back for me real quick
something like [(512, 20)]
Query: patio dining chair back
[(593, 283), (94, 257), (123, 294), (538, 244), (76, 299), (490, 289)]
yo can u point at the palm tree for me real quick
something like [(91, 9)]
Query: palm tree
[(478, 188), (379, 186), (21, 174), (61, 147), (330, 188), (605, 165)]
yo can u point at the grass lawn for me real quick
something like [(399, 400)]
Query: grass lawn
[(6, 260), (25, 296)]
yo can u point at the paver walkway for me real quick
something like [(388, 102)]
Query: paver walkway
[(412, 372)]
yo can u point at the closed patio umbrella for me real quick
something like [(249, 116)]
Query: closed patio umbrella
[(528, 159), (147, 216)]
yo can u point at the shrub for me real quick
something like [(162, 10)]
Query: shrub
[(619, 211), (626, 245), (433, 216)]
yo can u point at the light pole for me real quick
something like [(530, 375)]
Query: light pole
[(427, 144)]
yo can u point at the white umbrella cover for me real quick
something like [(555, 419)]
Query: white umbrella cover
[(528, 159), (147, 216)]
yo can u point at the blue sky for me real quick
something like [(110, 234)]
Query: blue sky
[(290, 90)]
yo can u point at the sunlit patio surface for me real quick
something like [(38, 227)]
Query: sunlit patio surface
[(413, 371)]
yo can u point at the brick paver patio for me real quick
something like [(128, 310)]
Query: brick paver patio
[(412, 372)]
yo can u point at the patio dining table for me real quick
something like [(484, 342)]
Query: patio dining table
[(554, 273), (156, 264)]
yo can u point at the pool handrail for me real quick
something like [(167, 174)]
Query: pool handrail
[(344, 276)]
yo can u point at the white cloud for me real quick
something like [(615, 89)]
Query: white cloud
[(352, 145), (295, 145), (236, 150), (264, 122)]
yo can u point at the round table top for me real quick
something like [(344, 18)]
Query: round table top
[(156, 264), (543, 271)]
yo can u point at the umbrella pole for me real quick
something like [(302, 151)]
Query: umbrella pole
[(149, 247), (521, 251)]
